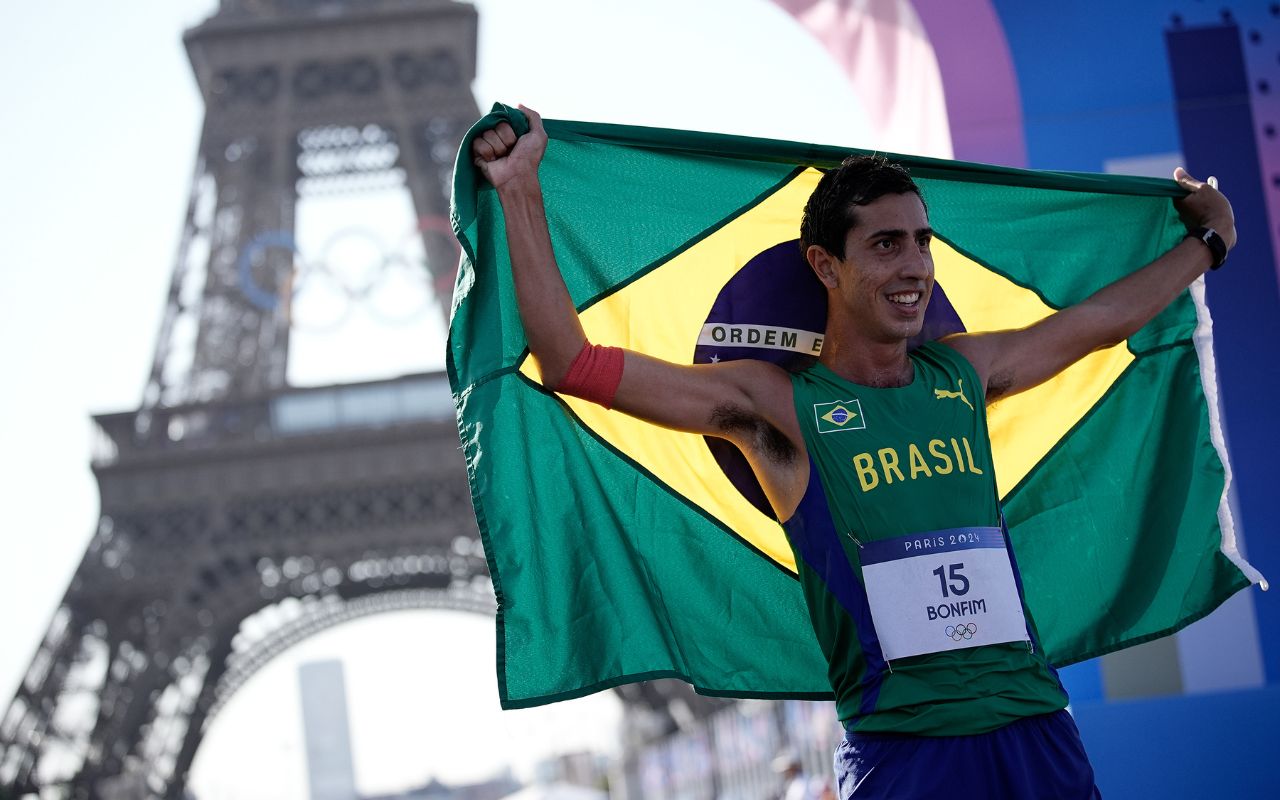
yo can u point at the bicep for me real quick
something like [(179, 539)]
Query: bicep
[(748, 403), (1013, 361), (710, 399)]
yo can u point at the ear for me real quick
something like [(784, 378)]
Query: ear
[(824, 265)]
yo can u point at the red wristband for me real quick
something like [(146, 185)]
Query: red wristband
[(594, 375)]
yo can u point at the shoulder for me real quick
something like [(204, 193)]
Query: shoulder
[(950, 354)]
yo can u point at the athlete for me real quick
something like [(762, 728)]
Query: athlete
[(877, 461)]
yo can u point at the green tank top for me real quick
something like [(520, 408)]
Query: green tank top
[(886, 463)]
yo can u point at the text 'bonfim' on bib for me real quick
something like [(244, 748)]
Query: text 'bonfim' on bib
[(942, 590)]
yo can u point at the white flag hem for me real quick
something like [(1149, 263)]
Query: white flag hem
[(1203, 338)]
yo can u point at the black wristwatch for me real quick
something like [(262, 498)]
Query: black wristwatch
[(1213, 241)]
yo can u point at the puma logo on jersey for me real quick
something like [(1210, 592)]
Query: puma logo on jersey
[(943, 394)]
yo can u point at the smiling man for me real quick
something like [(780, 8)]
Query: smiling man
[(878, 461)]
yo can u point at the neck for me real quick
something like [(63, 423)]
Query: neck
[(879, 364)]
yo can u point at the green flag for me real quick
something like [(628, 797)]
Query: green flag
[(621, 551)]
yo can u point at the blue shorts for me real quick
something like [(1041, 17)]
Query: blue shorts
[(1036, 757)]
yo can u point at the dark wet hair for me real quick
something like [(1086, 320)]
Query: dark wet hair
[(832, 208)]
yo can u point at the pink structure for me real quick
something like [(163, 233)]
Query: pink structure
[(928, 90)]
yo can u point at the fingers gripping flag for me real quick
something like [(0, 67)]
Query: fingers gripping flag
[(621, 551)]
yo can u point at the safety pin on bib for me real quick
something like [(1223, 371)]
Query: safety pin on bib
[(887, 662)]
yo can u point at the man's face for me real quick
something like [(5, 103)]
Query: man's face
[(886, 276)]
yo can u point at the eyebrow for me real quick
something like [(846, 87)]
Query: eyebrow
[(897, 233)]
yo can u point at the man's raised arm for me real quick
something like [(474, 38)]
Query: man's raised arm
[(746, 402), (1012, 361), (551, 324)]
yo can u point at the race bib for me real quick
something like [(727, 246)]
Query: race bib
[(942, 590)]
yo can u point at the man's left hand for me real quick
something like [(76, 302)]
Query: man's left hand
[(1205, 206)]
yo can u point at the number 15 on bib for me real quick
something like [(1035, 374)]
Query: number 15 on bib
[(942, 590)]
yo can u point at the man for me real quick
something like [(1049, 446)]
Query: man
[(884, 517), (795, 784)]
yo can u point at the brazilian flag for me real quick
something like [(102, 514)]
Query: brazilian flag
[(621, 551)]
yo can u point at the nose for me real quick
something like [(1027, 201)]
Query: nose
[(916, 264)]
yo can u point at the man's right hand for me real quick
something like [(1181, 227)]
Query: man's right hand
[(503, 157)]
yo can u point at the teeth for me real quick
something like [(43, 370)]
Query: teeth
[(905, 298)]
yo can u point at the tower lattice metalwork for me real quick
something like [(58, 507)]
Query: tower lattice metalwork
[(239, 515)]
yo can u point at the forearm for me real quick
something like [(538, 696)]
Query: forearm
[(550, 321), (1119, 310), (1013, 361)]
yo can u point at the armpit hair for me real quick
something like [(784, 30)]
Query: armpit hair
[(755, 431), (998, 384)]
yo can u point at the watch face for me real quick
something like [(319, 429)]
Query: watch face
[(1217, 247)]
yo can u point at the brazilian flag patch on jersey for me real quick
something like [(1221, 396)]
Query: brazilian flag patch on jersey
[(843, 415)]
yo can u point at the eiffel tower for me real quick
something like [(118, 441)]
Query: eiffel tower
[(229, 497)]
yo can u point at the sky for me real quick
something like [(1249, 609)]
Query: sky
[(101, 118)]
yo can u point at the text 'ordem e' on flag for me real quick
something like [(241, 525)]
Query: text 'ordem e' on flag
[(622, 551)]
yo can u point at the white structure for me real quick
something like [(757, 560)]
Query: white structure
[(330, 772)]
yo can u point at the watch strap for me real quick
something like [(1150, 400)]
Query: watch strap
[(1213, 240)]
